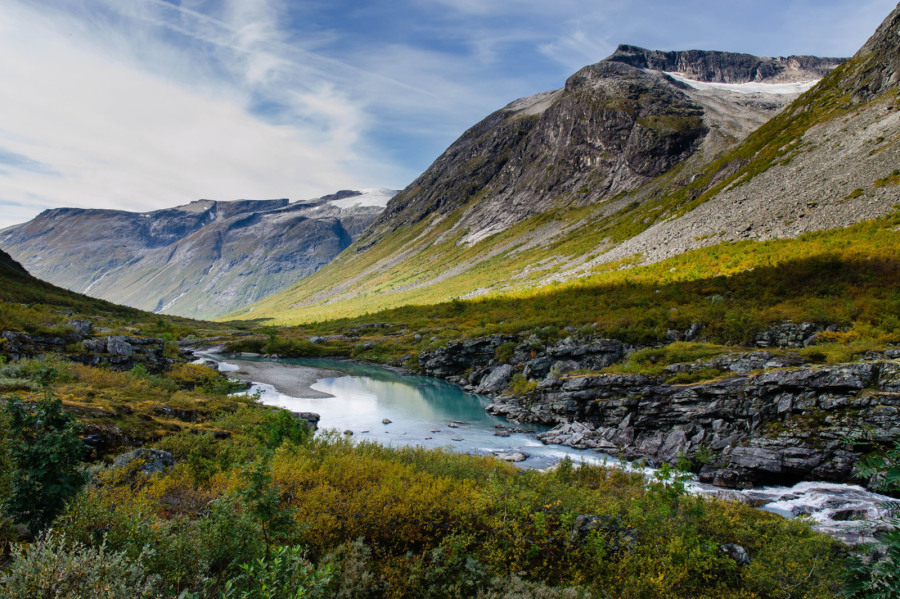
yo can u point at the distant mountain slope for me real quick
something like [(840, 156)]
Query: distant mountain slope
[(199, 260), (18, 289), (546, 188)]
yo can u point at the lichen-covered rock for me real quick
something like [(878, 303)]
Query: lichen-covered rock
[(147, 460)]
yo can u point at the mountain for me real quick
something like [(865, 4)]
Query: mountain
[(642, 156), (199, 260)]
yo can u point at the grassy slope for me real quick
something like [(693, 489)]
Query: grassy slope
[(846, 277), (424, 264)]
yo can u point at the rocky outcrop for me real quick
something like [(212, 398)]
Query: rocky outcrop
[(770, 417), (880, 60), (777, 427), (726, 67), (146, 460), (200, 260), (119, 352)]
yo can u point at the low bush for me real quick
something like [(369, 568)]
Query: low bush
[(55, 567)]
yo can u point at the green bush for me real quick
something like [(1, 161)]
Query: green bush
[(284, 574), (45, 454), (54, 567)]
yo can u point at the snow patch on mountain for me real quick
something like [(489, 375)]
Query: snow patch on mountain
[(368, 197), (753, 87)]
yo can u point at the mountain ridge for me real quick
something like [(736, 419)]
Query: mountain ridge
[(201, 259), (484, 219), (725, 67)]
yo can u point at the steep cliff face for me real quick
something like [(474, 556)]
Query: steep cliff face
[(199, 260), (611, 129), (880, 60)]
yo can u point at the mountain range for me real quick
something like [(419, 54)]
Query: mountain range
[(200, 260), (640, 157)]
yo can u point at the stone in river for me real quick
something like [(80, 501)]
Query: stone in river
[(510, 456)]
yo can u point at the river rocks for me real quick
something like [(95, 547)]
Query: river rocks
[(510, 456), (496, 380), (311, 418), (776, 427)]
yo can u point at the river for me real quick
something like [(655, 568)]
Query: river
[(376, 404)]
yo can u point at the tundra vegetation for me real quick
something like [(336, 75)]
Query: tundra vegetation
[(257, 506)]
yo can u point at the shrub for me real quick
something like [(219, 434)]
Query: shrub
[(53, 567), (45, 453), (285, 574), (280, 426), (520, 385), (505, 351)]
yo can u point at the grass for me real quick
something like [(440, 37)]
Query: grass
[(847, 277)]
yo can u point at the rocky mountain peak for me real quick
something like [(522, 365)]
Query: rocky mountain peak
[(725, 67), (880, 56)]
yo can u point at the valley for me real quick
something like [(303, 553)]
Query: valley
[(570, 360)]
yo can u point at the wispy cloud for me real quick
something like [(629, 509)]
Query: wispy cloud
[(141, 104)]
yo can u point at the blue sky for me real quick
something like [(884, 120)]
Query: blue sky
[(145, 104)]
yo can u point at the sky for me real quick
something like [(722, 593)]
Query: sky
[(148, 104)]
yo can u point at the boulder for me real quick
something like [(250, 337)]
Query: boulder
[(736, 553), (496, 380), (510, 456), (148, 461), (81, 326)]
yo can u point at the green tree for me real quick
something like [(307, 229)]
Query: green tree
[(44, 453), (263, 500)]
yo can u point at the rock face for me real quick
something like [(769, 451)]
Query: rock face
[(777, 427), (726, 67), (880, 56), (770, 419), (200, 260), (612, 128), (149, 461)]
